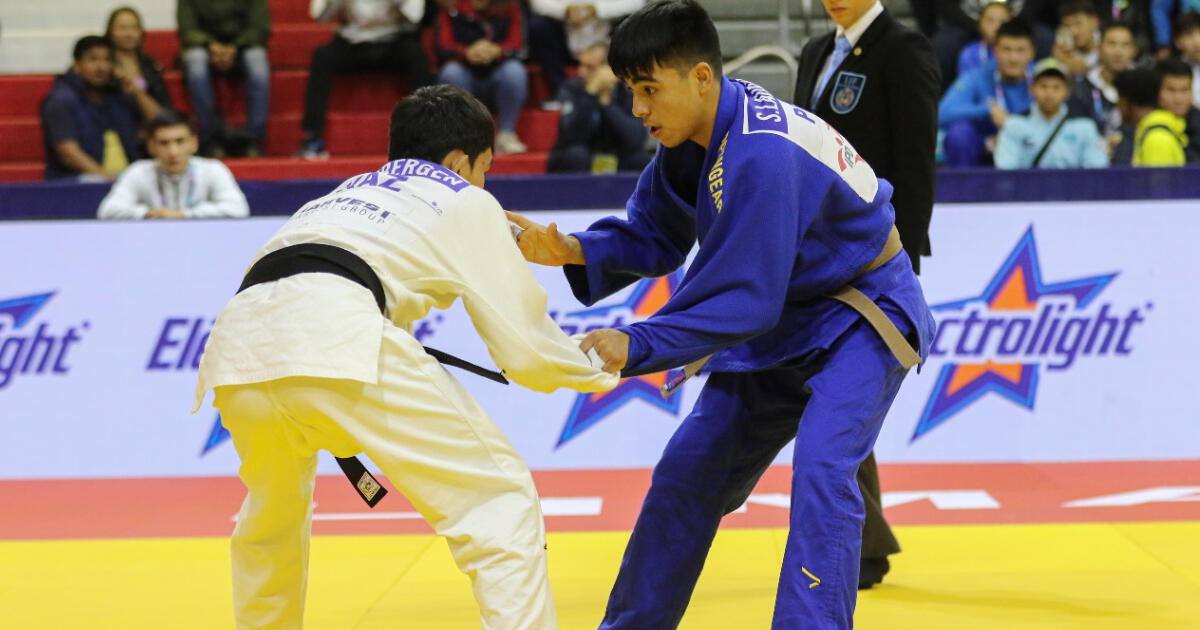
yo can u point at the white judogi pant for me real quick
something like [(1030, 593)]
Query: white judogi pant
[(435, 444)]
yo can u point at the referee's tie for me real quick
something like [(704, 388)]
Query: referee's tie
[(841, 48)]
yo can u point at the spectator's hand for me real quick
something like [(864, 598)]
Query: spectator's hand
[(165, 213), (1162, 53), (999, 115), (1067, 57), (580, 14), (221, 56), (128, 85), (545, 245), (491, 51), (477, 53), (612, 345), (601, 84)]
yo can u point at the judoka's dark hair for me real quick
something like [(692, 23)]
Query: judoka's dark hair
[(89, 42), (166, 117), (1139, 86), (1015, 28), (675, 33), (435, 120)]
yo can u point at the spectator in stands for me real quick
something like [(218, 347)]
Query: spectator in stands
[(975, 107), (1048, 136), (89, 124), (217, 36), (481, 43), (1160, 19), (140, 75), (1175, 96), (1132, 13), (982, 51), (1159, 137), (1094, 93), (1187, 40), (597, 130), (373, 35), (560, 30), (960, 25), (1077, 45), (175, 184)]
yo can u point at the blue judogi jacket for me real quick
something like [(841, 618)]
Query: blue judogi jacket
[(784, 211)]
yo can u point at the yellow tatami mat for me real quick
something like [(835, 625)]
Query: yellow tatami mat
[(1096, 576)]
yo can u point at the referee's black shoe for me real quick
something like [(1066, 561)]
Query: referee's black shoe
[(871, 571)]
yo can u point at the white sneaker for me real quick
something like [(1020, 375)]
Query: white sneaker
[(508, 142)]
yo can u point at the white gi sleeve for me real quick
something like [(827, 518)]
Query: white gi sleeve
[(508, 306), (122, 200), (226, 200)]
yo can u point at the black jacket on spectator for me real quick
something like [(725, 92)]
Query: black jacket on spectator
[(892, 122), (586, 127), (156, 87), (69, 114)]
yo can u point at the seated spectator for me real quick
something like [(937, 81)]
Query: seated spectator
[(1134, 14), (975, 107), (481, 43), (1078, 44), (89, 124), (217, 36), (175, 184), (373, 36), (559, 30), (597, 122), (140, 74), (1159, 137), (980, 52), (1048, 137), (1160, 19), (1093, 94), (1175, 96), (1187, 40), (960, 25)]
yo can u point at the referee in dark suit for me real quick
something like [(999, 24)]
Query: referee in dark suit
[(877, 82)]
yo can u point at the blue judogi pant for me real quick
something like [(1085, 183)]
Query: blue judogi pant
[(834, 406)]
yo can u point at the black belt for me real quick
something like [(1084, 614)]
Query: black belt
[(318, 258)]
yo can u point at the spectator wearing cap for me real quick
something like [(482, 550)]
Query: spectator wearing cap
[(977, 104), (1048, 136), (1159, 136)]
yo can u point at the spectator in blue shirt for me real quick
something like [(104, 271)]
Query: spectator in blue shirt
[(1048, 137), (89, 124), (1161, 12), (976, 106)]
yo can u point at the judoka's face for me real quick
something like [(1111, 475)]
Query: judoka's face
[(672, 103)]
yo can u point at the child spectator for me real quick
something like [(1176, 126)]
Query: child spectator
[(89, 125), (216, 36), (976, 105), (1048, 137), (1159, 137), (980, 52), (175, 184), (373, 35), (481, 43)]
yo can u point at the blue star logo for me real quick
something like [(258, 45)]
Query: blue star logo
[(1017, 287), (22, 309)]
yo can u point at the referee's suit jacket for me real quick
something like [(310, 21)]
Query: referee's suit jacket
[(884, 98)]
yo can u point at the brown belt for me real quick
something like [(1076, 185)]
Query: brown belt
[(856, 300)]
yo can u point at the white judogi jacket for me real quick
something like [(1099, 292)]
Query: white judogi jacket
[(432, 238)]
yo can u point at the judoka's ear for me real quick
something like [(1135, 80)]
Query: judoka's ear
[(703, 73), (458, 162)]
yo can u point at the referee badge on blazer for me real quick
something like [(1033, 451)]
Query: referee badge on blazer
[(847, 89)]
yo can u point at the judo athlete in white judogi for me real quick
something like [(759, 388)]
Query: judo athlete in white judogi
[(306, 362)]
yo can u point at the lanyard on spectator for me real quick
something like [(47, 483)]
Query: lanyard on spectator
[(188, 180)]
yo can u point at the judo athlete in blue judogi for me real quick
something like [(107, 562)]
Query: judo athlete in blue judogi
[(790, 223)]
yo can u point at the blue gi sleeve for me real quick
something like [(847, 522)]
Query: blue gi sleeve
[(653, 241), (736, 287)]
